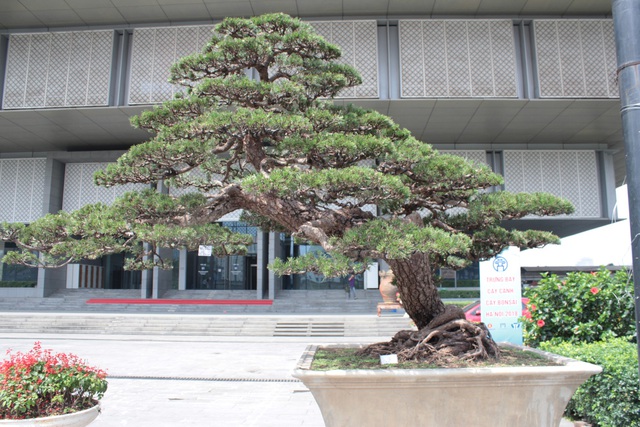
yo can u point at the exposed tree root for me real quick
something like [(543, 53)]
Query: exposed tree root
[(447, 337)]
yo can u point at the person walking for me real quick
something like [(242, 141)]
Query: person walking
[(352, 286)]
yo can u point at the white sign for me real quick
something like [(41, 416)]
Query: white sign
[(371, 276), (501, 296), (388, 359), (204, 250)]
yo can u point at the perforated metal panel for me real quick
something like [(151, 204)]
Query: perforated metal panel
[(22, 189), (59, 60), (575, 58), (457, 58), (358, 41), (16, 72), (611, 60), (60, 69), (154, 50), (79, 189), (572, 175)]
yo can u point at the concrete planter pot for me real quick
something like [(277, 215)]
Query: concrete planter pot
[(496, 397), (75, 419), (387, 288)]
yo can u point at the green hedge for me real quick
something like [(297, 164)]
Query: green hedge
[(460, 283), (460, 303), (459, 293), (7, 284), (611, 398)]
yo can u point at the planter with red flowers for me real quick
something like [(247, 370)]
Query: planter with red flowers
[(41, 387)]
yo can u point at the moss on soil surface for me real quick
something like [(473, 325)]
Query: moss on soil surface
[(327, 359)]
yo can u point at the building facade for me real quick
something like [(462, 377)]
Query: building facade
[(525, 86)]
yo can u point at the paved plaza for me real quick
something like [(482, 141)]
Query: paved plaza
[(195, 381), (192, 382)]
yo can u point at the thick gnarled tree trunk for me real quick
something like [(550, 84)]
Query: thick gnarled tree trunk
[(415, 279), (443, 332)]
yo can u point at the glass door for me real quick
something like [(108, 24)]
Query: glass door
[(234, 272), (116, 277)]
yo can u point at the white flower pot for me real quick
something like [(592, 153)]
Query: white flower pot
[(75, 419)]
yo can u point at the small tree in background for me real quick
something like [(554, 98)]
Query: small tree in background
[(276, 147)]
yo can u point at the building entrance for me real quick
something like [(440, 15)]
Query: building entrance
[(115, 276), (230, 273), (234, 272)]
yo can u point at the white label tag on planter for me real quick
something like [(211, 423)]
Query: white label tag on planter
[(388, 359)]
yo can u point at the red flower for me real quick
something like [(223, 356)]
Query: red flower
[(595, 290), (540, 323), (527, 315), (533, 307), (23, 373)]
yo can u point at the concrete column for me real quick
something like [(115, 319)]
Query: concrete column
[(260, 243), (275, 251), (146, 285), (182, 270), (161, 281), (52, 280)]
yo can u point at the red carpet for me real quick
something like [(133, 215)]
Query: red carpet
[(181, 301)]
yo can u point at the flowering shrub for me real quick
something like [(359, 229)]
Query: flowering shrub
[(40, 383), (585, 307)]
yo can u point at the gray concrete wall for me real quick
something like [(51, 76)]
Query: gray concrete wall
[(51, 280), (21, 292)]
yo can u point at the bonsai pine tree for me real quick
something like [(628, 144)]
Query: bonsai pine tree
[(256, 129)]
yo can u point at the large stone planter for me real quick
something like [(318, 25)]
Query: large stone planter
[(482, 397), (75, 419)]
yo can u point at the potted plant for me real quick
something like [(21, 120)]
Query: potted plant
[(45, 388), (255, 129), (497, 396)]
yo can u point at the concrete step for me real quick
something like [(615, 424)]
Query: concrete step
[(118, 324)]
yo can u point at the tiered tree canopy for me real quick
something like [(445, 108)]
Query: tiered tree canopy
[(256, 129)]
